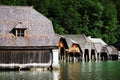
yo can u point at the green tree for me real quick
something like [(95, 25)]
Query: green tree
[(110, 22)]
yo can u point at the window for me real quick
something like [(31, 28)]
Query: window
[(20, 32)]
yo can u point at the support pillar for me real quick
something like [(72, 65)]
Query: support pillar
[(55, 58)]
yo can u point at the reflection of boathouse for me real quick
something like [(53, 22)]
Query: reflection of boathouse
[(26, 38)]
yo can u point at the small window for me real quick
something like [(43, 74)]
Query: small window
[(20, 32)]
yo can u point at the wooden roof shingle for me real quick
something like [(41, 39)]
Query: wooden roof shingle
[(39, 28)]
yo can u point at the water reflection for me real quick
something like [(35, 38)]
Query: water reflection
[(108, 70), (26, 75), (70, 71)]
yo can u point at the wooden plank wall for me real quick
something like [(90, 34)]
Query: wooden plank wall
[(24, 56)]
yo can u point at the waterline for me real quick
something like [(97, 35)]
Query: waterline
[(107, 70)]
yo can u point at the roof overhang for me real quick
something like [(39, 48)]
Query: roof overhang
[(27, 47)]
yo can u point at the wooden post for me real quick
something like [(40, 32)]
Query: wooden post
[(51, 68)]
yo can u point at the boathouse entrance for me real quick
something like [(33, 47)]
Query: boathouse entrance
[(74, 53), (93, 55), (86, 55), (104, 53), (62, 45)]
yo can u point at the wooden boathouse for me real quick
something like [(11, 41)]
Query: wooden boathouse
[(27, 38), (87, 48)]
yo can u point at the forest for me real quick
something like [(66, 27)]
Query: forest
[(95, 18)]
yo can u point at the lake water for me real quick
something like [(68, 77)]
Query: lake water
[(108, 70)]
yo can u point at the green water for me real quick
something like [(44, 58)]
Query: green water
[(109, 70)]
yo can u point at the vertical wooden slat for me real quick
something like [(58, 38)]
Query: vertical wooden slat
[(26, 56)]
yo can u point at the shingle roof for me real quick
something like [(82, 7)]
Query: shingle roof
[(97, 40), (39, 28), (21, 13), (81, 39), (77, 38), (98, 47), (112, 50)]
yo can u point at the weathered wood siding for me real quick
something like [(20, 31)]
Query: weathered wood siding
[(24, 56)]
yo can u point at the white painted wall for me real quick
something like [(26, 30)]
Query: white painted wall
[(119, 55), (56, 58)]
